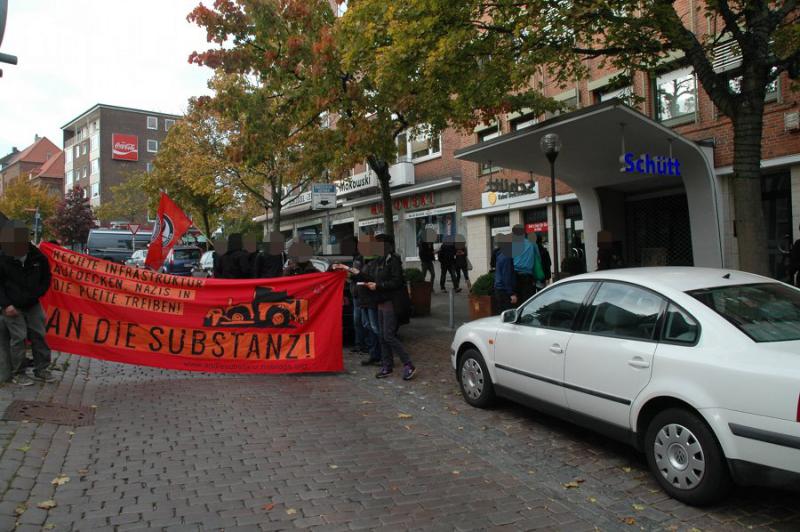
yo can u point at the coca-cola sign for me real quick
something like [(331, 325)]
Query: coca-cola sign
[(124, 147)]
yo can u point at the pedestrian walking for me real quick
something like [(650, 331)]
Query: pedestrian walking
[(24, 279), (235, 263), (527, 263), (447, 259), (425, 242), (385, 280), (461, 262), (547, 262), (505, 289)]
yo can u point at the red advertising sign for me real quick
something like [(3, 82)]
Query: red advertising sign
[(124, 147), (113, 312), (538, 227)]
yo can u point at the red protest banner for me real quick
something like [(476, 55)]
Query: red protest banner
[(113, 312)]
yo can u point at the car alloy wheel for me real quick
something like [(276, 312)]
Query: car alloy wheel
[(679, 456), (474, 380)]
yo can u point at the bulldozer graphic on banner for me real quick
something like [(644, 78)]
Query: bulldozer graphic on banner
[(268, 309)]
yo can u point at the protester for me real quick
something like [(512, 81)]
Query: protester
[(527, 263), (368, 301), (24, 279), (505, 289), (794, 263), (447, 259), (269, 262), (461, 263), (385, 282), (300, 260), (235, 263), (426, 254), (547, 262)]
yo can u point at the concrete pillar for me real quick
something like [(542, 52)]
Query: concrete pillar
[(478, 244)]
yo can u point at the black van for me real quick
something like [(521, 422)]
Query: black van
[(114, 245)]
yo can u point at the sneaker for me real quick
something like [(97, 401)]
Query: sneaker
[(383, 373), (43, 375), (370, 362), (409, 371), (21, 380)]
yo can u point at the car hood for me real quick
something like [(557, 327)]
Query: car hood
[(491, 321)]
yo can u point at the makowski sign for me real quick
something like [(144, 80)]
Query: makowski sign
[(124, 147)]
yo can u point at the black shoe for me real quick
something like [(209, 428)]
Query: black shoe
[(383, 373), (43, 375)]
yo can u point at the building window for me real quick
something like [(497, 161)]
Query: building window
[(152, 122), (483, 136), (69, 178), (418, 146), (676, 95), (149, 167), (77, 151), (152, 146), (95, 142), (523, 121), (96, 167), (84, 147), (168, 123), (85, 172), (499, 224), (95, 190), (68, 156), (625, 94)]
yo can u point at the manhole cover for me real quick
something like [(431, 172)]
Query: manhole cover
[(41, 412)]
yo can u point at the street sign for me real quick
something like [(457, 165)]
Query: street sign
[(133, 228), (323, 196)]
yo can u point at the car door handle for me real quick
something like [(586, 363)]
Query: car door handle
[(555, 348), (638, 362)]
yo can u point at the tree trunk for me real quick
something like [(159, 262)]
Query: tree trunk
[(207, 227), (381, 169), (751, 230)]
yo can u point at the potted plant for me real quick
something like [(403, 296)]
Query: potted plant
[(480, 297), (419, 291)]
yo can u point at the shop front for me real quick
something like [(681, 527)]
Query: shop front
[(640, 189)]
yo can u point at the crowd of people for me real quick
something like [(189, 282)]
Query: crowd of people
[(452, 257), (521, 268)]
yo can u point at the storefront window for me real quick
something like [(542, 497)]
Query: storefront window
[(339, 233), (499, 224), (483, 136), (536, 224), (442, 224), (677, 94), (311, 235), (573, 232)]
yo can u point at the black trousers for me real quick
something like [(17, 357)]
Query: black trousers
[(526, 286), (502, 302), (452, 270)]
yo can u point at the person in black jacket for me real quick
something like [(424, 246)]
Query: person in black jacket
[(794, 264), (24, 278), (235, 263), (425, 242), (447, 261), (461, 263), (384, 282), (269, 261)]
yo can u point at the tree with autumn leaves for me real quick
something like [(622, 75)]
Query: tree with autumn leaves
[(460, 62), (73, 218)]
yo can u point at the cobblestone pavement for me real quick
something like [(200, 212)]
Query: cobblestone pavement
[(183, 451)]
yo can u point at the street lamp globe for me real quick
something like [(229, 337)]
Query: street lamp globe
[(550, 145)]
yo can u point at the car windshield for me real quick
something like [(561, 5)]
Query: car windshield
[(187, 254), (116, 240), (768, 312)]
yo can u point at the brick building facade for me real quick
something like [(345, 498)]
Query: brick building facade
[(41, 163)]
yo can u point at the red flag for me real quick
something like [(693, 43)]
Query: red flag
[(171, 225)]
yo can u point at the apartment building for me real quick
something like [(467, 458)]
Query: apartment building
[(42, 163), (106, 144)]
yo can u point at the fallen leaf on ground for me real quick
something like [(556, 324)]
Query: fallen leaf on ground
[(24, 448), (366, 402), (626, 469), (291, 511), (83, 471), (59, 480), (456, 472), (21, 508), (401, 415), (49, 526), (70, 433), (629, 521), (592, 500), (571, 485), (47, 505), (333, 466), (268, 507), (639, 507), (93, 406)]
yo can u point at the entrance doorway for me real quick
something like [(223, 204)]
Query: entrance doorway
[(776, 200), (658, 232)]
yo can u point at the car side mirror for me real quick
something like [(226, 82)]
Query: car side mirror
[(509, 316)]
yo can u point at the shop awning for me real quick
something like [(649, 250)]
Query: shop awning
[(594, 143)]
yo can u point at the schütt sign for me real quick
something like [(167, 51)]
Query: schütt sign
[(648, 164)]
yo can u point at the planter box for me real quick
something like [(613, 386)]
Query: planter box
[(480, 307), (420, 294)]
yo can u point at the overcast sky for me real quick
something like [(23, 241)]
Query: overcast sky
[(76, 53)]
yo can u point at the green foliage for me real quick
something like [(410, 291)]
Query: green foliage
[(413, 275), (20, 200), (483, 285), (73, 218), (129, 201)]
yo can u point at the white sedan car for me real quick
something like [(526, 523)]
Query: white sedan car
[(699, 368)]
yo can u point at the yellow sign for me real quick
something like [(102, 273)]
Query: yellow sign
[(492, 198)]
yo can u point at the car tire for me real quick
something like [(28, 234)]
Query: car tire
[(686, 459), (474, 380)]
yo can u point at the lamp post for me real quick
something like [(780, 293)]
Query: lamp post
[(550, 145)]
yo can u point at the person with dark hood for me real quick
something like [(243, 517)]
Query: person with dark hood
[(270, 260), (505, 280), (300, 260), (425, 242), (461, 263), (235, 263), (386, 280), (447, 262), (24, 278)]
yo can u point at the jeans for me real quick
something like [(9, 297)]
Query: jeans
[(389, 342), (427, 266), (372, 332), (459, 271), (358, 325), (29, 324), (452, 270)]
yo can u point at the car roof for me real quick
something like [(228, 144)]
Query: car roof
[(680, 278)]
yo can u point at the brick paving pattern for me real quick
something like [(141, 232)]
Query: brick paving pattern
[(182, 451)]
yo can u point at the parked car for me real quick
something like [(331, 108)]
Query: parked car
[(114, 245), (137, 259), (698, 368), (205, 268), (181, 260)]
